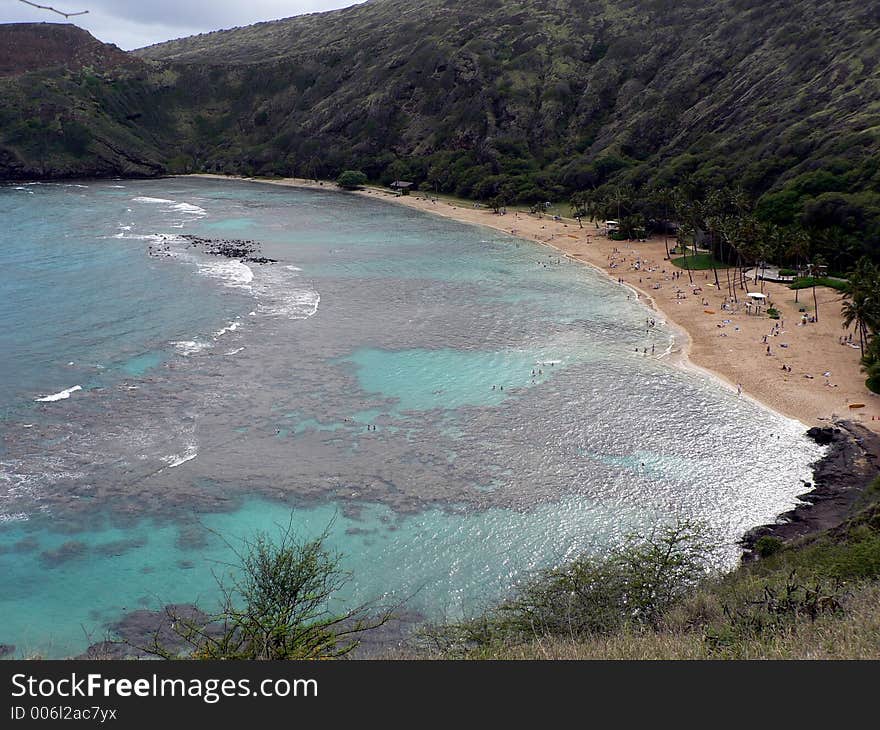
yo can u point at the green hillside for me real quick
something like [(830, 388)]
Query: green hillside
[(536, 99)]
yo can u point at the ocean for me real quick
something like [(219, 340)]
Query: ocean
[(456, 406)]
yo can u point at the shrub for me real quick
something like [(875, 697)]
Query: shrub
[(775, 609), (351, 179), (808, 281), (768, 545), (634, 584), (773, 313), (275, 605)]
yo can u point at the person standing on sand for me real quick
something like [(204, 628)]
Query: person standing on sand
[(739, 389)]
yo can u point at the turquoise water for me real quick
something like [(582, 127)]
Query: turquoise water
[(456, 406), (426, 379)]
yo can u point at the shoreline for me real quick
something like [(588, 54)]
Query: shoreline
[(853, 457), (840, 478), (729, 345)]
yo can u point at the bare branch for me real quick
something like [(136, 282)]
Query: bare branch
[(53, 10)]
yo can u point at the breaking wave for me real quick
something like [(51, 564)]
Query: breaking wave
[(63, 395)]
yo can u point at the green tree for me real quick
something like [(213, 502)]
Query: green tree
[(351, 179), (798, 249), (664, 201), (632, 585), (861, 301), (276, 603)]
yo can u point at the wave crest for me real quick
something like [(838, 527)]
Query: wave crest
[(63, 395)]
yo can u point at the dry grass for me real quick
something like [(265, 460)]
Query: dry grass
[(853, 635)]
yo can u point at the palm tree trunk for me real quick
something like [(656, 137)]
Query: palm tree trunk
[(686, 266), (815, 303)]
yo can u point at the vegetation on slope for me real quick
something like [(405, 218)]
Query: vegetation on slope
[(532, 99), (816, 597)]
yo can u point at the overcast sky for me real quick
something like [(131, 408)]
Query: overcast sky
[(136, 23)]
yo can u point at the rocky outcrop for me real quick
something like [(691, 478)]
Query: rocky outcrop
[(839, 479)]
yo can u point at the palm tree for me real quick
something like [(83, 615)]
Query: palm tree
[(686, 211), (728, 227), (684, 229), (861, 305), (799, 249), (665, 201), (817, 268)]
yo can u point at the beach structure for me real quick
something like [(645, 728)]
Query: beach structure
[(611, 227), (401, 187), (756, 300)]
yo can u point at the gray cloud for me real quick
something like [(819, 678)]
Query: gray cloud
[(135, 23)]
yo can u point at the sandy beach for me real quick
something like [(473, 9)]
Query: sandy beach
[(802, 370)]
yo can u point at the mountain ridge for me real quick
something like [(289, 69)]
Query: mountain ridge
[(26, 47), (530, 99)]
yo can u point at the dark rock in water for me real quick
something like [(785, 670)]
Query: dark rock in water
[(26, 545), (70, 550), (823, 435), (119, 547), (140, 630), (6, 649), (191, 537), (231, 248)]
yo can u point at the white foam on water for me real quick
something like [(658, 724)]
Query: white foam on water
[(189, 208), (13, 517), (281, 294), (175, 460), (189, 347), (63, 395), (20, 479), (293, 305), (231, 327), (153, 237), (234, 352), (231, 272), (145, 199)]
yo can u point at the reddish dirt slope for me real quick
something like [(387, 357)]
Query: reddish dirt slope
[(32, 46)]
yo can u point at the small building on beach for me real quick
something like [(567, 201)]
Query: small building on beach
[(401, 187)]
